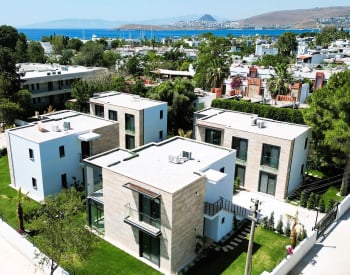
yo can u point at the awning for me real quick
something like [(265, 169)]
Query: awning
[(88, 136), (141, 190)]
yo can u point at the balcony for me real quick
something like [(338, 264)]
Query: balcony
[(270, 162), (142, 221)]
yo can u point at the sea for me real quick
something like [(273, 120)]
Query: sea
[(158, 35)]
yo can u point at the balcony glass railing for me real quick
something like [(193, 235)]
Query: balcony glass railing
[(141, 219), (271, 162)]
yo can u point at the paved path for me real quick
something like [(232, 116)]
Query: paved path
[(16, 253), (269, 203), (330, 255)]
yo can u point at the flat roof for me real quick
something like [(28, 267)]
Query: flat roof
[(130, 101), (242, 122), (108, 158), (37, 70), (151, 163), (52, 126)]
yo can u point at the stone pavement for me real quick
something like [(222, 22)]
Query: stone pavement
[(269, 203), (330, 255)]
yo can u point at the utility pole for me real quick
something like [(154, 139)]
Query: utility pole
[(248, 264)]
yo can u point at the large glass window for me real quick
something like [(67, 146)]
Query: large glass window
[(240, 173), (149, 210), (267, 183), (129, 142), (213, 136), (241, 145), (99, 111), (96, 215), (130, 123), (270, 155), (112, 115), (150, 248)]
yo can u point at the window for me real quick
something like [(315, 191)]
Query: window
[(31, 154), (61, 150), (241, 145), (213, 136), (270, 156), (129, 142), (37, 86), (32, 87), (306, 142), (34, 184), (64, 181), (50, 86), (99, 110), (302, 170), (222, 169), (112, 115), (130, 123), (149, 210), (160, 135), (161, 114), (240, 173), (267, 183), (222, 220)]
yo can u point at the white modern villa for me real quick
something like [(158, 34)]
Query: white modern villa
[(141, 120), (271, 155), (50, 84), (153, 201), (45, 156)]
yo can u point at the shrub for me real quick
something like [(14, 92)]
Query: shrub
[(303, 234), (311, 201), (287, 230), (265, 222), (322, 206), (303, 198), (279, 227), (271, 222)]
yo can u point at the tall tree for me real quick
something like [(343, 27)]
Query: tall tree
[(279, 83), (62, 235), (287, 44), (329, 118), (213, 62), (36, 52)]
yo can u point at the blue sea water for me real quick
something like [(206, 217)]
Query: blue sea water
[(37, 34)]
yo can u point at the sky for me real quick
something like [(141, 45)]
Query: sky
[(19, 13)]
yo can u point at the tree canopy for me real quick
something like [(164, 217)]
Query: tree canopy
[(61, 233), (329, 118), (287, 43)]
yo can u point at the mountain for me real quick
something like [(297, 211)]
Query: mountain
[(301, 18), (207, 17)]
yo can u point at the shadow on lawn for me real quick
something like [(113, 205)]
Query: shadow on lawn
[(216, 262)]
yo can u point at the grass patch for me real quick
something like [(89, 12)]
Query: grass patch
[(331, 194), (316, 173), (108, 259), (268, 251)]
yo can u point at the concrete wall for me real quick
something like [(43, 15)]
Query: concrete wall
[(343, 207), (181, 220)]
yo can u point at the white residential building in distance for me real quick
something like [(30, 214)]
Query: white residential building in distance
[(271, 155), (141, 120), (46, 156), (50, 84), (158, 198)]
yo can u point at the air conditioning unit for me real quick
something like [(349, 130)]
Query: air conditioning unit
[(253, 120), (66, 125), (260, 123)]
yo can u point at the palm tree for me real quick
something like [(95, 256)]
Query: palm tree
[(20, 211), (279, 83), (186, 134)]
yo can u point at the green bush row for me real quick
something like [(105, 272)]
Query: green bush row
[(267, 111)]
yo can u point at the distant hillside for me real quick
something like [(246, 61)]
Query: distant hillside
[(302, 18), (207, 17)]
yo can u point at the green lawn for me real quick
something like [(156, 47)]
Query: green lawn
[(105, 259), (331, 194), (268, 251)]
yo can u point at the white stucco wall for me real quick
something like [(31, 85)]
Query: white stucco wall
[(299, 157), (152, 123)]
